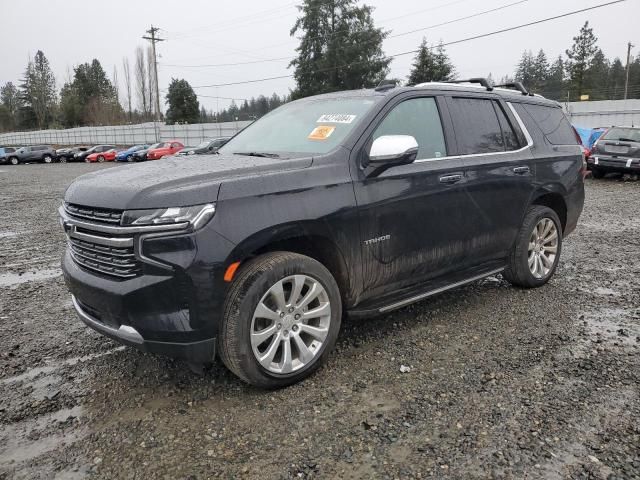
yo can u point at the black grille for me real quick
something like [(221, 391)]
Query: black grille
[(101, 215), (118, 262)]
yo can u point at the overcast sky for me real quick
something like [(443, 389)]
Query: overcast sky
[(220, 32)]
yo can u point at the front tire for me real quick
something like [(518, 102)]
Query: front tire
[(597, 173), (47, 159), (536, 254), (100, 159), (281, 320), (14, 161), (63, 160)]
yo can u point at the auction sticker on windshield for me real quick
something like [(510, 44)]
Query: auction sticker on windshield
[(322, 132), (336, 118)]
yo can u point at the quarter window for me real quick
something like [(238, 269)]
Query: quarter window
[(553, 123), (418, 117), (476, 126), (510, 138)]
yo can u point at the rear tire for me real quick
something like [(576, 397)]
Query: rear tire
[(47, 159), (14, 161), (63, 160), (298, 335), (597, 173), (537, 250)]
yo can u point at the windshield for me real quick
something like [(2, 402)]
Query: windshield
[(204, 144), (623, 135), (312, 126)]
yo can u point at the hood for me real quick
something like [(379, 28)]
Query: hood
[(172, 182)]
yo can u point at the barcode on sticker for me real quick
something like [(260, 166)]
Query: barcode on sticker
[(336, 118)]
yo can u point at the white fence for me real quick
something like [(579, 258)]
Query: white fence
[(605, 113), (583, 114), (124, 135)]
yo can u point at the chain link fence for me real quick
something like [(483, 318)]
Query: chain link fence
[(124, 135)]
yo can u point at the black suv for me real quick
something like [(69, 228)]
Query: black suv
[(358, 202), (36, 153), (81, 156), (618, 150), (206, 147), (65, 155)]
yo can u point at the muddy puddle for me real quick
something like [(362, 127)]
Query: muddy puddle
[(10, 279)]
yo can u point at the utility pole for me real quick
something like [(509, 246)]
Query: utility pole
[(153, 38), (626, 83)]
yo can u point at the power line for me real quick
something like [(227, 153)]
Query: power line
[(280, 59), (455, 42)]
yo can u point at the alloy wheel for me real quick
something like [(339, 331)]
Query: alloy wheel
[(14, 161), (290, 324), (543, 248), (47, 159)]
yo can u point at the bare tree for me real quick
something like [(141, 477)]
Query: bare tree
[(127, 83), (116, 84), (152, 79), (142, 90)]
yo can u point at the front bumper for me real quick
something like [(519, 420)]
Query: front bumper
[(611, 163), (172, 307)]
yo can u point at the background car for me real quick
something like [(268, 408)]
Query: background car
[(5, 152), (618, 150), (108, 156), (127, 155), (165, 149), (64, 155), (82, 156), (34, 153), (209, 146), (141, 155)]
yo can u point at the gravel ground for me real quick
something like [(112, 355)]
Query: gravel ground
[(502, 383)]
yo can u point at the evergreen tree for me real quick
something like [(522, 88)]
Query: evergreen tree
[(183, 103), (90, 99), (580, 57), (10, 103), (525, 72), (617, 78), (540, 71), (340, 48), (555, 86), (38, 89), (597, 77), (430, 66)]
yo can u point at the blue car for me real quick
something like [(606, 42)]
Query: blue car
[(127, 155)]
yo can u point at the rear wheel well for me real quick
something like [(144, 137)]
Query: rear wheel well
[(318, 248), (556, 203)]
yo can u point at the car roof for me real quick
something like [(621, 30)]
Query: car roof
[(507, 93)]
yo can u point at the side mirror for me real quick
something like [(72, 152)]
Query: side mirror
[(393, 150)]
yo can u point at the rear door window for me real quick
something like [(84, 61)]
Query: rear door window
[(418, 117), (476, 125), (553, 124)]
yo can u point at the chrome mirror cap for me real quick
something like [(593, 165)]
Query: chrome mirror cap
[(393, 148)]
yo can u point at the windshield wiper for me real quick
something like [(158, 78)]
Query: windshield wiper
[(257, 154)]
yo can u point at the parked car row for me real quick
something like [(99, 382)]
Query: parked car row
[(106, 153)]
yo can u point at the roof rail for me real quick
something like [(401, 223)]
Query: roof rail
[(386, 85), (516, 86), (482, 81)]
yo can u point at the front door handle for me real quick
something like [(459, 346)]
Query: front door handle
[(455, 178), (521, 170)]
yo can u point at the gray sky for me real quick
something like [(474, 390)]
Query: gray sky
[(216, 32)]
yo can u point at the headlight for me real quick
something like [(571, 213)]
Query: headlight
[(197, 216)]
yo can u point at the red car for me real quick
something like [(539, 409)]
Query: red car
[(165, 149), (108, 156)]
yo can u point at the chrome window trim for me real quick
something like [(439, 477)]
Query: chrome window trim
[(527, 136)]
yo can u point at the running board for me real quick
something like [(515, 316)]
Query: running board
[(422, 296)]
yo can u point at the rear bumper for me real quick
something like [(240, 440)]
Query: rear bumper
[(610, 163)]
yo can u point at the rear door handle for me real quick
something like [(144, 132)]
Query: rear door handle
[(455, 178), (521, 170)]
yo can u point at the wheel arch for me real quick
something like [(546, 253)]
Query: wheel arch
[(305, 239), (553, 199)]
